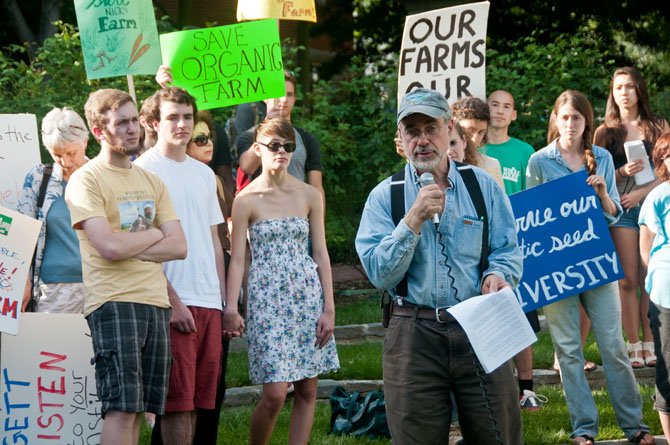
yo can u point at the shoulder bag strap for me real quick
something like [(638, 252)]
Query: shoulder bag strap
[(475, 192), (397, 213), (46, 176)]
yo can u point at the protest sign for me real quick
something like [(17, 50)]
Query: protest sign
[(118, 37), (19, 152), (18, 236), (565, 241), (227, 65), (445, 50), (276, 9), (48, 382)]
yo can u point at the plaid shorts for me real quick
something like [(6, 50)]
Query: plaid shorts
[(131, 342)]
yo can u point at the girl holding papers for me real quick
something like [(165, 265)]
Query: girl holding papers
[(655, 250), (570, 150), (629, 118)]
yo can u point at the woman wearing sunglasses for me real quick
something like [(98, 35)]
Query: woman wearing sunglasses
[(201, 148), (290, 313)]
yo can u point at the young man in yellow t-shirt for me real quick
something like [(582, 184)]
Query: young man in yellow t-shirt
[(127, 304)]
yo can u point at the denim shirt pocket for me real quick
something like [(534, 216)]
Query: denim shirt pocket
[(469, 237)]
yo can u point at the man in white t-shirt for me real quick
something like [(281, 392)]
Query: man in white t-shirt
[(196, 285)]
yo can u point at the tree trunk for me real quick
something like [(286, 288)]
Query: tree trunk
[(18, 22), (51, 12), (305, 64)]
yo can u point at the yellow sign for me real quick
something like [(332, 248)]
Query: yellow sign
[(276, 9)]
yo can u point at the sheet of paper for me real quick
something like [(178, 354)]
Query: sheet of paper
[(496, 327), (635, 150)]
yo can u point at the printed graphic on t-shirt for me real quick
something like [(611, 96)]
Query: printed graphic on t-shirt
[(510, 174), (136, 216)]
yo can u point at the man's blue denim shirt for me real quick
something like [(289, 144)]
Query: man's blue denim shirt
[(442, 264), (547, 164)]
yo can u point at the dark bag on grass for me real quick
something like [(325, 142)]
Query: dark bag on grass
[(356, 416)]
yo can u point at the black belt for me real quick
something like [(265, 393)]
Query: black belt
[(439, 314)]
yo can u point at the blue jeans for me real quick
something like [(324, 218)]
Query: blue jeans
[(603, 307)]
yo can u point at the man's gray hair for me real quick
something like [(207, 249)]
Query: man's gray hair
[(63, 126)]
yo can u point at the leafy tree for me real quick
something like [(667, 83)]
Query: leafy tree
[(55, 77), (536, 73), (355, 124)]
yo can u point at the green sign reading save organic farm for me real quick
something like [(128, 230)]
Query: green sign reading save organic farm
[(227, 65)]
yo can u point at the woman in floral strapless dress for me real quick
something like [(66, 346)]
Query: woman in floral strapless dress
[(291, 313)]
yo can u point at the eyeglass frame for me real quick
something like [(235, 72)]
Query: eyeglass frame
[(208, 139), (274, 146), (430, 135)]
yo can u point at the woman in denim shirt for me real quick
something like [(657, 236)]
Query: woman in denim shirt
[(570, 150), (57, 272)]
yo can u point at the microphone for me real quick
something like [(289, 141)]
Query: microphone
[(428, 179)]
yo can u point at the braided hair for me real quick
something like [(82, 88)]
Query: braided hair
[(581, 104)]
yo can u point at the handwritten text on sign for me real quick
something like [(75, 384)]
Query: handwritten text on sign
[(19, 152), (48, 383), (445, 50), (227, 65), (18, 236), (565, 241), (276, 9), (118, 37)]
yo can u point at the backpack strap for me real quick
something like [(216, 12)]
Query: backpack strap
[(475, 192), (48, 169), (397, 212), (46, 176)]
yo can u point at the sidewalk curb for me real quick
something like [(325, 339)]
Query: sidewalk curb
[(245, 395)]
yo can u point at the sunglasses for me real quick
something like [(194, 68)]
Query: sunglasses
[(274, 147), (201, 140)]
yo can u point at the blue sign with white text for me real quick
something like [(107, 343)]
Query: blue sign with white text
[(565, 241)]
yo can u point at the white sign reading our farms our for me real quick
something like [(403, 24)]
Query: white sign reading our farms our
[(445, 50)]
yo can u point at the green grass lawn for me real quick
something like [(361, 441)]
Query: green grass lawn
[(358, 310), (363, 361), (357, 362), (551, 425)]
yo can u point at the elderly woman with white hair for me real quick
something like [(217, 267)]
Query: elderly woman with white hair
[(55, 284)]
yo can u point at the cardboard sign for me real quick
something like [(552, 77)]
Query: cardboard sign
[(445, 50), (118, 37), (227, 65), (48, 382), (565, 241), (19, 152), (18, 236), (276, 9)]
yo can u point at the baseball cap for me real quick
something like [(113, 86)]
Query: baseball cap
[(423, 101)]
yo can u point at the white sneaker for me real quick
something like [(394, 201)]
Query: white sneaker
[(531, 401)]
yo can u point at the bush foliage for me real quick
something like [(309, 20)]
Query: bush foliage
[(354, 117)]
